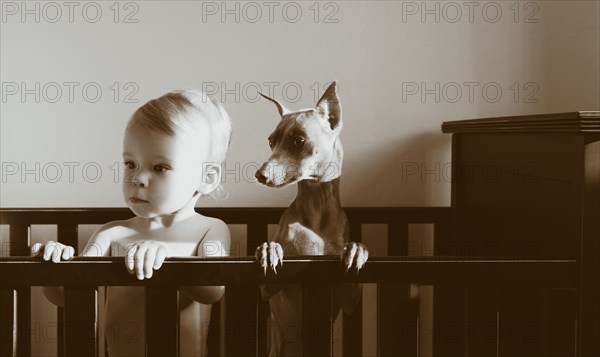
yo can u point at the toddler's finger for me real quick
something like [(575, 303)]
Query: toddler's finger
[(129, 259), (149, 262), (35, 249), (48, 250), (139, 262), (57, 252), (68, 253), (161, 255)]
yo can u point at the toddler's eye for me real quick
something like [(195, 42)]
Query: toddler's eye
[(129, 165), (298, 141), (160, 168)]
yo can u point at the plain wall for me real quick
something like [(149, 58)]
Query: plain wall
[(388, 57), (402, 67)]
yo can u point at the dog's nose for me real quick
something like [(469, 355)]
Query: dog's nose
[(260, 176)]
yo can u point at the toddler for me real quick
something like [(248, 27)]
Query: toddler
[(172, 150)]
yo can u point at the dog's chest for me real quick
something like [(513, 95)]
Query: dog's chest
[(302, 240)]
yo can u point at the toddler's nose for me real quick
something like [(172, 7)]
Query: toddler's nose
[(140, 179), (137, 182)]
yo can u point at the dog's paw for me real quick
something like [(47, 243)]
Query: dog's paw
[(354, 255), (269, 254)]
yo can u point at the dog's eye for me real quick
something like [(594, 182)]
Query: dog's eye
[(270, 143), (298, 141)]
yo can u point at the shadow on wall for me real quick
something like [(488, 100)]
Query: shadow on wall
[(418, 169)]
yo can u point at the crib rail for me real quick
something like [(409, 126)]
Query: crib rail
[(478, 284), (19, 272), (82, 276), (257, 220)]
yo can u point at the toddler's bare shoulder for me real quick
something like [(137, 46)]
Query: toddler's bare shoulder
[(115, 229), (214, 227), (102, 239)]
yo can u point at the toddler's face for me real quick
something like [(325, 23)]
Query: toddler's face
[(162, 172)]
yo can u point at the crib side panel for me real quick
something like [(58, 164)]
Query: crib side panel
[(162, 321), (352, 341), (20, 235), (80, 322), (397, 311), (7, 321), (66, 234), (317, 325)]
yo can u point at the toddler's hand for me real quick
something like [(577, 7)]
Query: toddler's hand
[(53, 250), (145, 256)]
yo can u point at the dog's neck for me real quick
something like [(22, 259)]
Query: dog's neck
[(318, 203)]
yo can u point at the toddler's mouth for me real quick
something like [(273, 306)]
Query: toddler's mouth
[(137, 200)]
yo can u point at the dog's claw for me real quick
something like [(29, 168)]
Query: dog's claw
[(269, 255), (261, 257), (354, 254), (279, 251)]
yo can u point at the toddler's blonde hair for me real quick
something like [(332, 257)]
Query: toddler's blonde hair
[(186, 111)]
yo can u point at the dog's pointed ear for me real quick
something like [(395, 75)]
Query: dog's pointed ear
[(282, 110), (329, 106)]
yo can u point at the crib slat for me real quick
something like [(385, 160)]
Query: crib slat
[(520, 325), (240, 320), (317, 325), (563, 320), (398, 239), (397, 321), (352, 325), (448, 300), (80, 322), (442, 230), (162, 320), (397, 311), (261, 325), (7, 322), (23, 322), (19, 240), (257, 233), (66, 234), (20, 246), (482, 320), (214, 331), (449, 321), (60, 332), (355, 231)]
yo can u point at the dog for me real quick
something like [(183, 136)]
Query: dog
[(307, 151)]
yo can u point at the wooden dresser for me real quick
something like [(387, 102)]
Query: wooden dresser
[(528, 187)]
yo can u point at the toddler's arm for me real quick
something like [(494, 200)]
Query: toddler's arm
[(53, 251), (98, 245), (216, 243)]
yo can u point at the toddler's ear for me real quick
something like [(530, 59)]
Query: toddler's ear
[(211, 178)]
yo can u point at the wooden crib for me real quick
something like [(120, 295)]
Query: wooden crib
[(244, 317), (535, 293)]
